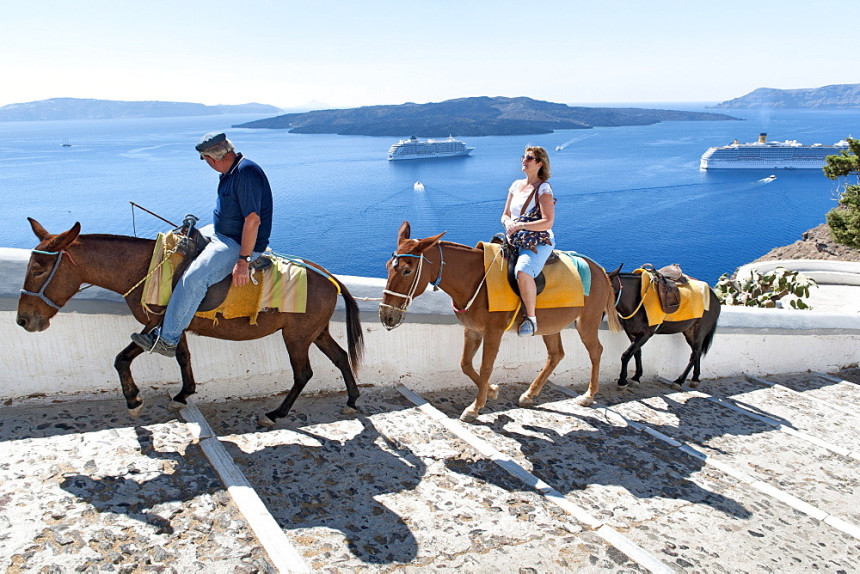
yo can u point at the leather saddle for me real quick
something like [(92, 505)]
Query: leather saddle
[(191, 244), (666, 281), (511, 253)]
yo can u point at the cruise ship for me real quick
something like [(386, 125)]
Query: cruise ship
[(413, 148), (769, 155)]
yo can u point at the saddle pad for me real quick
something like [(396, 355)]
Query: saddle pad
[(564, 285), (281, 286), (159, 280), (695, 300)]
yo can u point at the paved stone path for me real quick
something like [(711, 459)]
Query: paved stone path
[(735, 476)]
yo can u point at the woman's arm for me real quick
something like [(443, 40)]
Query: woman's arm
[(547, 210)]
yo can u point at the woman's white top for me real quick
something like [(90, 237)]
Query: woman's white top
[(519, 196)]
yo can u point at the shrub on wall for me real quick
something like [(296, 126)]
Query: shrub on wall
[(765, 290)]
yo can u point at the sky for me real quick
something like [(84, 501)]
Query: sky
[(346, 53)]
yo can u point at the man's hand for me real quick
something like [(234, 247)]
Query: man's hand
[(241, 273)]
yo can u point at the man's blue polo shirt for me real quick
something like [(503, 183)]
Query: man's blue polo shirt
[(243, 190)]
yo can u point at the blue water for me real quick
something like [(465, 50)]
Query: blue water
[(629, 195)]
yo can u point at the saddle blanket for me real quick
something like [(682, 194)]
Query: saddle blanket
[(695, 300), (282, 286), (567, 282)]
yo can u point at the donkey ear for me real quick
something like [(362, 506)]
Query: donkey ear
[(615, 272), (404, 232), (428, 242), (40, 231), (64, 239)]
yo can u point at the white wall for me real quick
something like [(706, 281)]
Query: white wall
[(75, 355)]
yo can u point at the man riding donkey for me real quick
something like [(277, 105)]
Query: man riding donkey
[(242, 223)]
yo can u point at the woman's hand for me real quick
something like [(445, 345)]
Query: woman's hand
[(511, 227)]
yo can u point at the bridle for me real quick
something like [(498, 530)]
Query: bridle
[(408, 297), (41, 294), (618, 299)]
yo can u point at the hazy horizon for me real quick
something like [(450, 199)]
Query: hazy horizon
[(346, 54)]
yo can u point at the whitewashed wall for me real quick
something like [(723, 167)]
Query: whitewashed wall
[(75, 355)]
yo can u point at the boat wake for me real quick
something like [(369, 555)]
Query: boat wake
[(573, 141), (766, 180)]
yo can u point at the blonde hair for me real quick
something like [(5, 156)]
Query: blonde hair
[(540, 155), (219, 150)]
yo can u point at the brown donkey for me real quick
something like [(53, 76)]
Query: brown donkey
[(61, 263), (459, 270)]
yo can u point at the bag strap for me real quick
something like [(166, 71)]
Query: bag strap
[(534, 195)]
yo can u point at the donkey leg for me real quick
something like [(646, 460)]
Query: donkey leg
[(633, 352), (637, 359), (471, 343), (695, 354), (302, 372), (492, 342), (122, 364), (554, 355), (189, 386), (338, 356), (588, 325)]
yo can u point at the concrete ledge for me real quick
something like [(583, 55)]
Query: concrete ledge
[(75, 355), (823, 271)]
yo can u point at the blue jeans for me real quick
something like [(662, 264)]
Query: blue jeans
[(211, 266)]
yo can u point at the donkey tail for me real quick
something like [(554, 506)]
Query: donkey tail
[(611, 312), (354, 334)]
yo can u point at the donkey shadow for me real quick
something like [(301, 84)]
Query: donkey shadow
[(138, 500), (335, 484)]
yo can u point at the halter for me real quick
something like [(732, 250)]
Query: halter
[(618, 299), (407, 297), (41, 294)]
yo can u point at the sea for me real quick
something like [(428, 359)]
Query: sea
[(625, 195)]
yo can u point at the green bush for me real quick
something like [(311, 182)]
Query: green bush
[(844, 220), (764, 290)]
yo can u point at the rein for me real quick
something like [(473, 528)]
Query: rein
[(410, 296), (41, 294), (641, 299)]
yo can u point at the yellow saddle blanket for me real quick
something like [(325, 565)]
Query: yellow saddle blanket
[(563, 283), (282, 286), (695, 300)]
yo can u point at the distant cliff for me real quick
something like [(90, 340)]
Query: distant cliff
[(835, 96), (481, 116), (84, 109)]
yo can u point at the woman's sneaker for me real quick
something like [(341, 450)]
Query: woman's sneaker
[(527, 328)]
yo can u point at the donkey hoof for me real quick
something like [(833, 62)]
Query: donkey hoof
[(348, 410), (175, 406), (493, 392), (694, 384), (584, 400), (265, 421), (525, 400), (469, 416), (135, 412), (676, 387)]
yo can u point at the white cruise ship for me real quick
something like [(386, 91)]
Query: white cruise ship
[(769, 155), (413, 148)]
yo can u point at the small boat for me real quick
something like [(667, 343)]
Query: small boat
[(418, 186), (66, 143)]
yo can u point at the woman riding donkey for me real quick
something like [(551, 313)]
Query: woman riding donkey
[(528, 218)]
